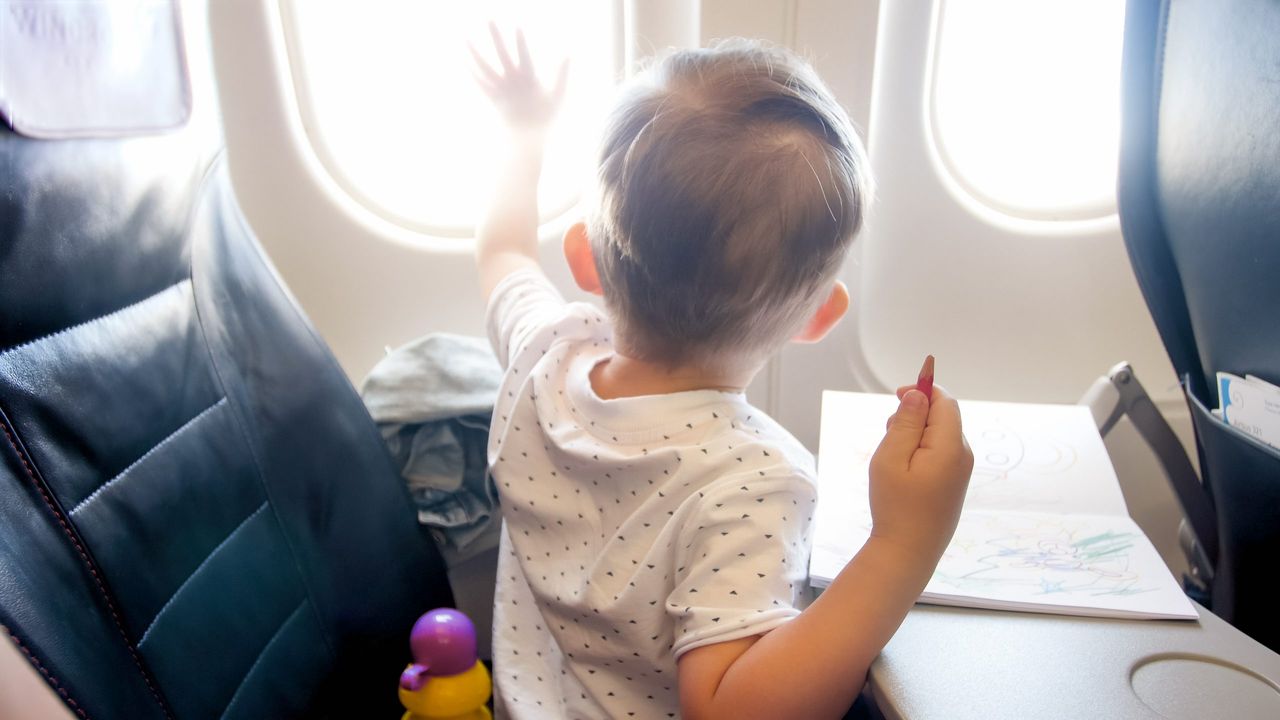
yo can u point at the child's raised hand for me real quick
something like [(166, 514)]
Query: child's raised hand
[(919, 475), (514, 88)]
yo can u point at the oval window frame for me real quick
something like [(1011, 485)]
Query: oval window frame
[(551, 225), (1053, 220)]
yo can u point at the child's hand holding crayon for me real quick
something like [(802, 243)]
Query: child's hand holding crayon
[(920, 472)]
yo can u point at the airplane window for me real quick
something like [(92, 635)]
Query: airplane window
[(390, 105), (1026, 103)]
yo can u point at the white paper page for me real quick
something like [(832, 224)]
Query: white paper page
[(1066, 564), (1027, 457)]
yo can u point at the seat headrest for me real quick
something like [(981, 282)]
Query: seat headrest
[(96, 68)]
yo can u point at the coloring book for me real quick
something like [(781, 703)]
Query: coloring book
[(1044, 526)]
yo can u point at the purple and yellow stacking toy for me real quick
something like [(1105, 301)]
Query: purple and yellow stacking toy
[(445, 681)]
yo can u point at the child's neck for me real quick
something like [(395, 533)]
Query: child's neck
[(622, 376)]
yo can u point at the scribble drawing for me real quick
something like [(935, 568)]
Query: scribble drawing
[(1041, 556), (1009, 465)]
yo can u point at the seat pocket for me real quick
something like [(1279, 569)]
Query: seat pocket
[(1243, 477)]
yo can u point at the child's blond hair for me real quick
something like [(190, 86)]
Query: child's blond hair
[(731, 186)]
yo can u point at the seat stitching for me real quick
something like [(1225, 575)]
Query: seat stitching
[(195, 572), (92, 321), (79, 506), (261, 654), (62, 692), (84, 557)]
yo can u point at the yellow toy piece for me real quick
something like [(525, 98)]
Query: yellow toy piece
[(450, 697)]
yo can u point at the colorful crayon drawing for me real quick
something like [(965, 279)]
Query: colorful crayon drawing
[(1027, 554)]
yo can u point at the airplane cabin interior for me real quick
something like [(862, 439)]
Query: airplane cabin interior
[(282, 280)]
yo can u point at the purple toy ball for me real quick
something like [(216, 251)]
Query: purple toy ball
[(444, 642)]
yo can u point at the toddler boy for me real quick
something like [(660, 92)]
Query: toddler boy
[(657, 526)]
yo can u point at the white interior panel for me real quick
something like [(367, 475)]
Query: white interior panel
[(1013, 309)]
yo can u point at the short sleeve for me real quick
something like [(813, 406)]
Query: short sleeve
[(742, 561), (521, 304)]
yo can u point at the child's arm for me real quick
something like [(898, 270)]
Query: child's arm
[(507, 237), (815, 665)]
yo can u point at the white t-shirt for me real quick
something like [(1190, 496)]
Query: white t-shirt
[(635, 529)]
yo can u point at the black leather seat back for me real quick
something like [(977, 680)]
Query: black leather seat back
[(1200, 211), (198, 518)]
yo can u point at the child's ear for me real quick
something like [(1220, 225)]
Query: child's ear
[(577, 250), (826, 316)]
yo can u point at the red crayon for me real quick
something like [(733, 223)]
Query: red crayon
[(925, 382)]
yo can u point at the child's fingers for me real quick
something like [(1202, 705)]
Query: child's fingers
[(522, 51), (944, 429), (900, 392), (947, 411), (500, 47), (904, 433), (562, 81), (482, 69), (489, 89)]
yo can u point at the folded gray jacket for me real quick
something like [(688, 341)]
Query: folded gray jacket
[(432, 400)]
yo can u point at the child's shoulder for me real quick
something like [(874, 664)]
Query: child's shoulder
[(754, 452), (761, 431), (527, 318)]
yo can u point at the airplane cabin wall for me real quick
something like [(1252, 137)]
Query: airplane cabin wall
[(1013, 311)]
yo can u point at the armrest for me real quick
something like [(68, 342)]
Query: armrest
[(1117, 394)]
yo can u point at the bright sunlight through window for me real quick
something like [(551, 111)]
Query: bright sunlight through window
[(1026, 103), (391, 106)]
